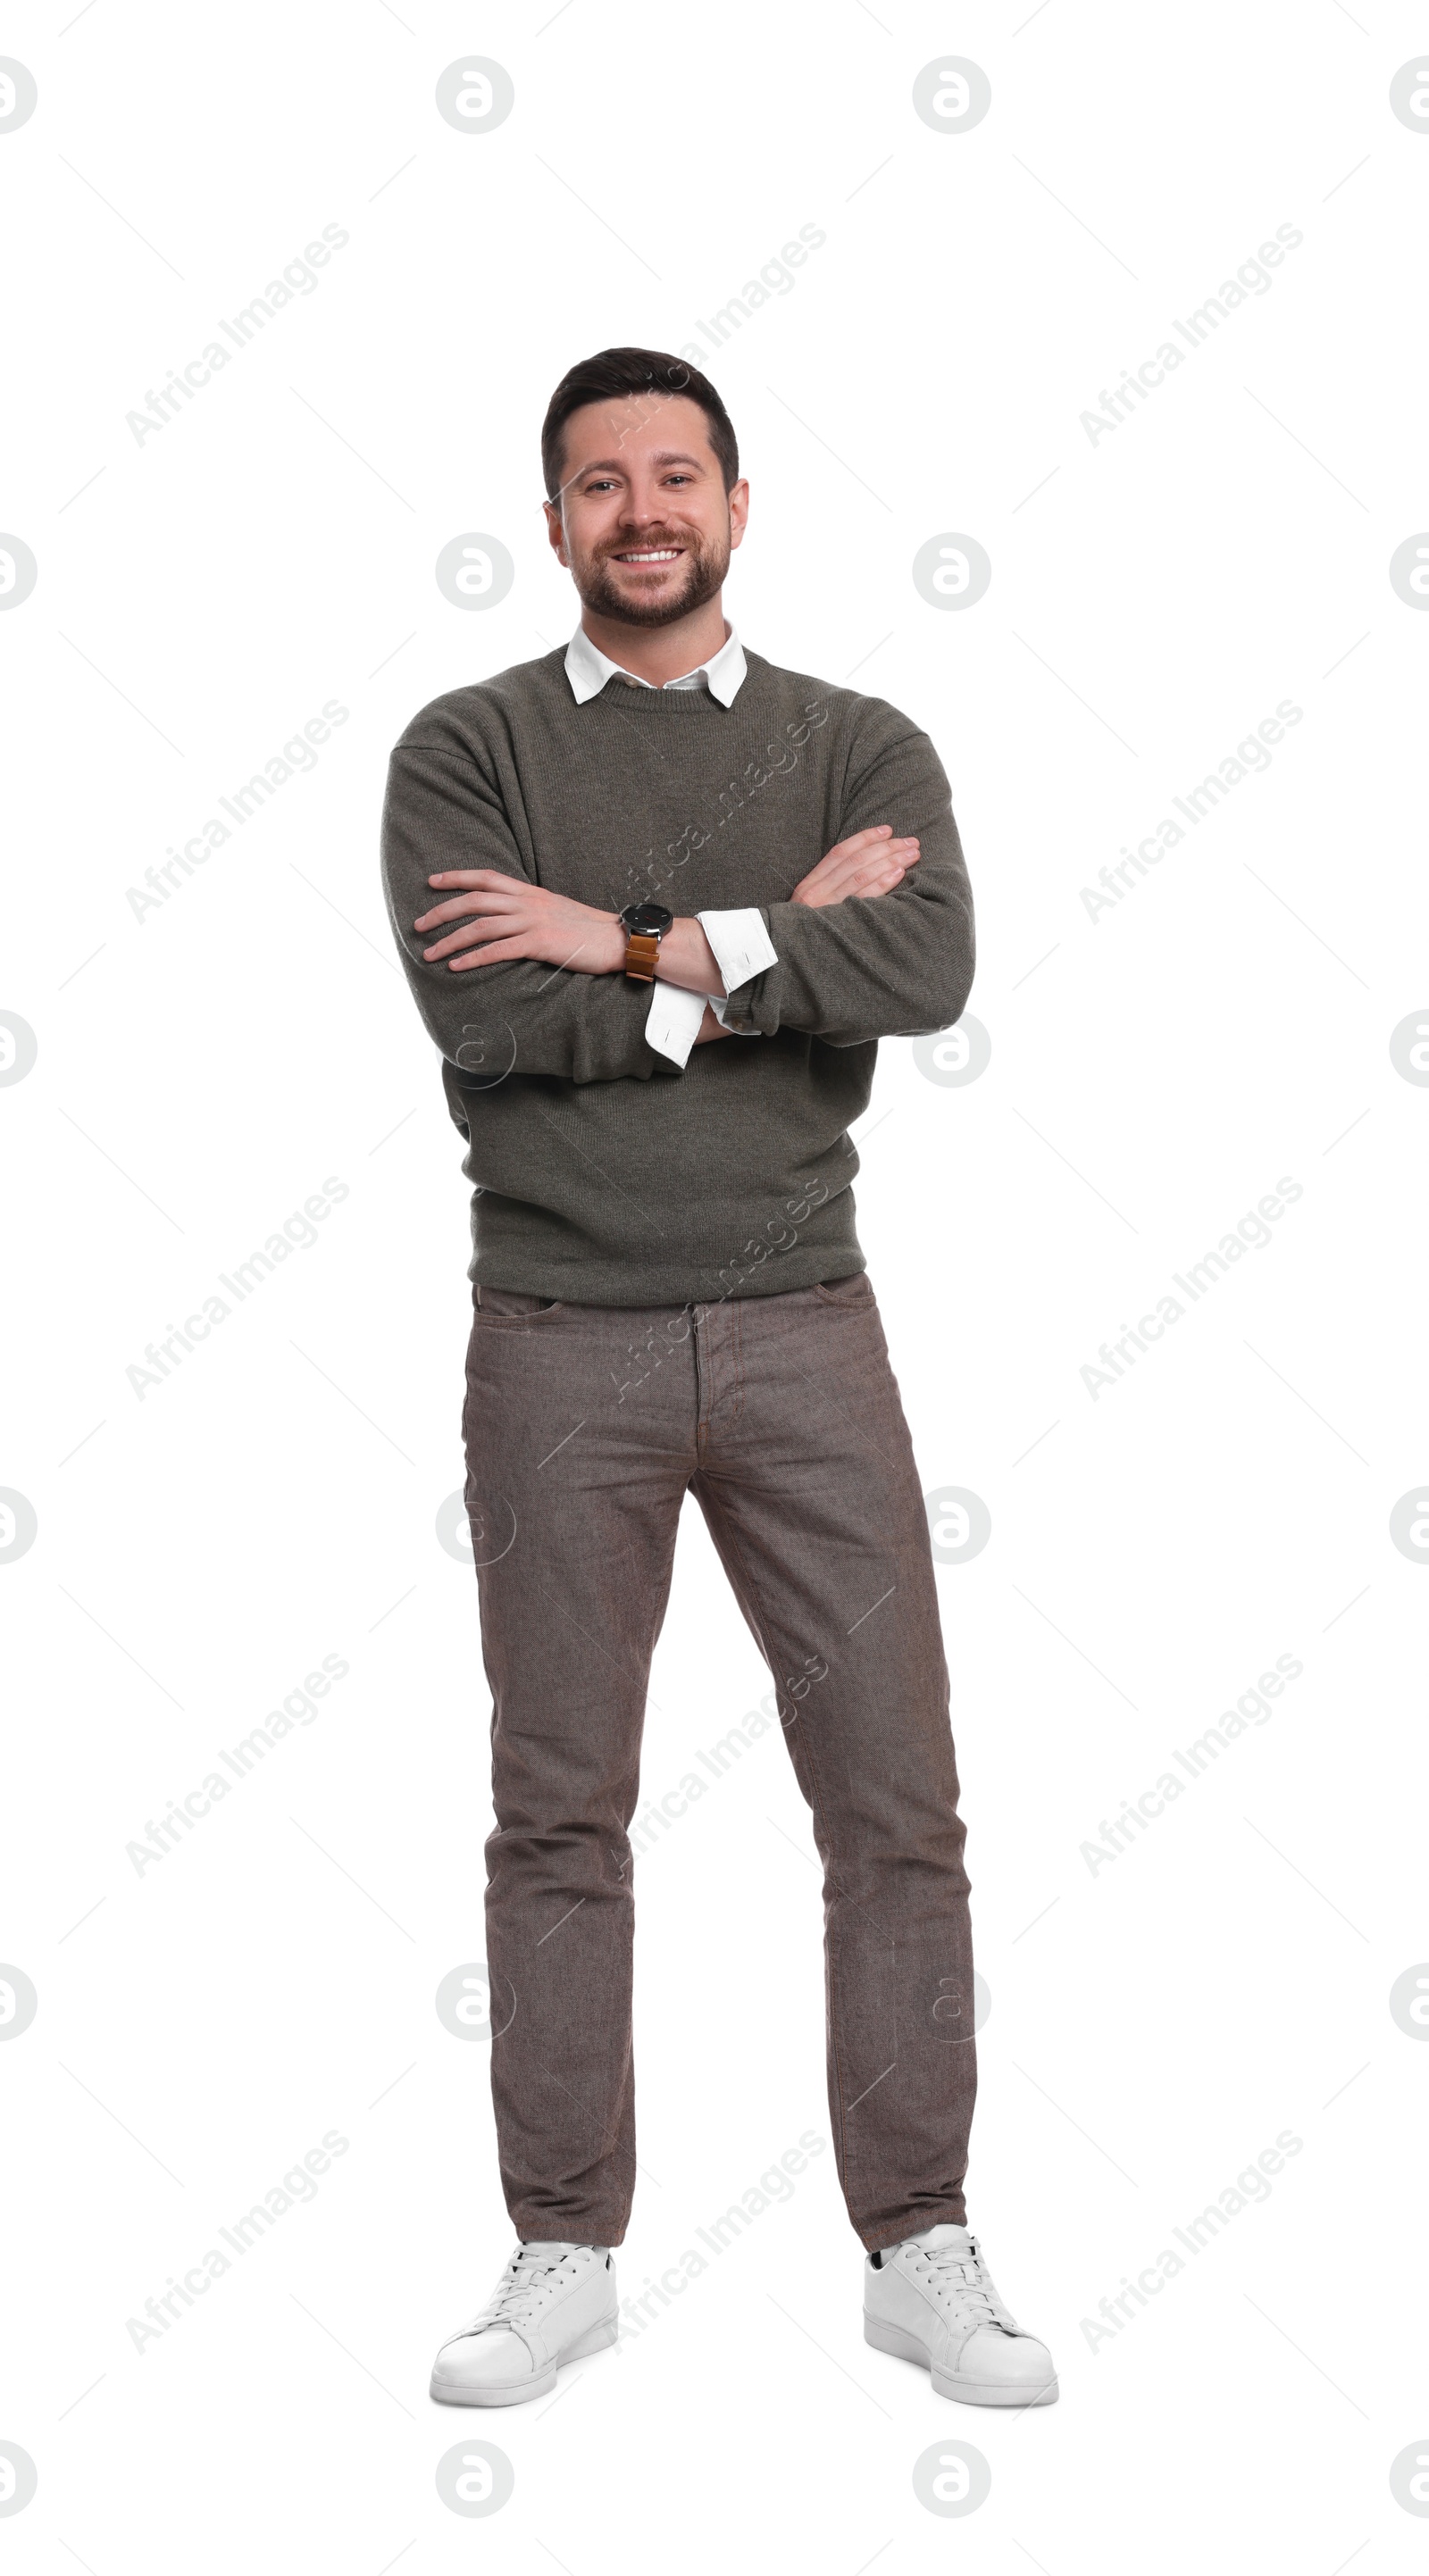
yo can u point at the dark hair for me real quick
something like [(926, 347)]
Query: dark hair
[(617, 372)]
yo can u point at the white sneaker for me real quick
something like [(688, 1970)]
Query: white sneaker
[(932, 2300), (553, 2303)]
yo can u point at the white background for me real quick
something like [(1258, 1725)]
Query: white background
[(1155, 1071)]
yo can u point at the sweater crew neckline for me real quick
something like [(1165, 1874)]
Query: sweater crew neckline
[(677, 703)]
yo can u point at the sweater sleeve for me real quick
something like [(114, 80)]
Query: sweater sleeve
[(891, 965), (444, 810)]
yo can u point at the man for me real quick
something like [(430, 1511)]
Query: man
[(657, 901)]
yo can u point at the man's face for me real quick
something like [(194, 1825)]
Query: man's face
[(644, 524)]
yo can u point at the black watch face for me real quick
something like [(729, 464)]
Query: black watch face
[(649, 917)]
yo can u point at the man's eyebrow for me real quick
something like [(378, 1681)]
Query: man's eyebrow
[(615, 464)]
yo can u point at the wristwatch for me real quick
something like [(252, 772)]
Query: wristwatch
[(645, 925)]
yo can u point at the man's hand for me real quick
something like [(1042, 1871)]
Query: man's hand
[(870, 862), (502, 916)]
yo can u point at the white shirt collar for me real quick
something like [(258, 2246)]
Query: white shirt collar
[(588, 670)]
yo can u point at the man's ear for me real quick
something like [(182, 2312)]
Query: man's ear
[(556, 532), (738, 510)]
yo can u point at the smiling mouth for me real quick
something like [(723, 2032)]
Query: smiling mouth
[(650, 555)]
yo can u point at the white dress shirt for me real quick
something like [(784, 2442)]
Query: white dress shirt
[(742, 946)]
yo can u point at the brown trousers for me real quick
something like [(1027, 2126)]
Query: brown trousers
[(584, 1425)]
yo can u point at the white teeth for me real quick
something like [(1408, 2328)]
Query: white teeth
[(666, 554)]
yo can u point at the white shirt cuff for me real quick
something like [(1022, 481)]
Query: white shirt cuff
[(742, 946), (721, 1005), (673, 1021)]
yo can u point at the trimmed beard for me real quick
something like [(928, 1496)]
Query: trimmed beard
[(705, 570)]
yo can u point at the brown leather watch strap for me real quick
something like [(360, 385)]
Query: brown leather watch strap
[(642, 955)]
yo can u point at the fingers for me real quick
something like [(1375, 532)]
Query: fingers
[(475, 877), (473, 934), (868, 843), (490, 893), (870, 862), (490, 953), (858, 841), (889, 859), (831, 867), (877, 874), (864, 847), (472, 937)]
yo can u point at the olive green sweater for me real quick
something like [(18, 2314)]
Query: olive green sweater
[(604, 1173)]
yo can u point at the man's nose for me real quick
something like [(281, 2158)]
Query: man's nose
[(643, 508)]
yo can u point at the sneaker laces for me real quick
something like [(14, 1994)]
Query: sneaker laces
[(528, 2279), (965, 2279)]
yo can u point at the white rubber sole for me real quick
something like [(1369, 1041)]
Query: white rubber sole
[(968, 2392), (516, 2392)]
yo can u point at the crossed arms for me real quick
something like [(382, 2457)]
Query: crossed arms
[(875, 940)]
